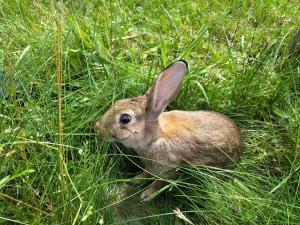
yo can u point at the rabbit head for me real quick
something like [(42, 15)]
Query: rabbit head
[(134, 122)]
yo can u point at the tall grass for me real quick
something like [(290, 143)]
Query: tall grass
[(63, 64)]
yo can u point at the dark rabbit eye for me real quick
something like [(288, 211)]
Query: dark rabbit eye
[(125, 118)]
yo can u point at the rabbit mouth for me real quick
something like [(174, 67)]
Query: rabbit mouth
[(114, 137)]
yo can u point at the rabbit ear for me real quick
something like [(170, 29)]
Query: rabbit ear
[(165, 88)]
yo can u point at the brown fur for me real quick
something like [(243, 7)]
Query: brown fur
[(166, 140)]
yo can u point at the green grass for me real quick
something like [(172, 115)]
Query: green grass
[(240, 65)]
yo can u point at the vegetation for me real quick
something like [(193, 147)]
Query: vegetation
[(72, 59)]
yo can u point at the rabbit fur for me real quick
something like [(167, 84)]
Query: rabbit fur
[(166, 140)]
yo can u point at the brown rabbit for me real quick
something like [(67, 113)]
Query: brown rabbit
[(166, 140)]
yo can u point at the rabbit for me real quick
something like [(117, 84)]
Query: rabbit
[(167, 140)]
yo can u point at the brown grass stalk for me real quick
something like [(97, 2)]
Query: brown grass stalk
[(58, 53)]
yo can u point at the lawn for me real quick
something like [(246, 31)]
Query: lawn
[(62, 64)]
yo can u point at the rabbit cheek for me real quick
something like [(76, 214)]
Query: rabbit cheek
[(119, 133), (128, 138)]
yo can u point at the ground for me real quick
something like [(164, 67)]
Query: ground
[(62, 64)]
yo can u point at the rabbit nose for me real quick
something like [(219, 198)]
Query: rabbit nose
[(100, 129)]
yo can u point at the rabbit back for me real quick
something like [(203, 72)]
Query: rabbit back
[(201, 137)]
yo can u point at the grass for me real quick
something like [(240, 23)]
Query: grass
[(71, 60)]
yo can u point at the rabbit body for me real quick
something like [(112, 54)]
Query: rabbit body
[(166, 140), (198, 138)]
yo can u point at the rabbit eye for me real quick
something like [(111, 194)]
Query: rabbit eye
[(125, 118)]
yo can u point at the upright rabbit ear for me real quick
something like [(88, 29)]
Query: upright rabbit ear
[(165, 88)]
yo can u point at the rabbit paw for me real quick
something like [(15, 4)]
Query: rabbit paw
[(148, 194), (151, 191)]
